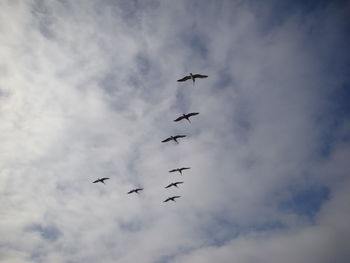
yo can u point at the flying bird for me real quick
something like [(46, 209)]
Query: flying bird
[(174, 138), (171, 198), (100, 180), (187, 116), (193, 77), (135, 190), (179, 170), (174, 184)]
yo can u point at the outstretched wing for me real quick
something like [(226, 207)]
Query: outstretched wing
[(192, 114), (179, 183), (167, 139), (98, 180), (185, 168), (179, 119), (199, 76), (166, 200), (174, 170), (104, 178), (131, 191), (184, 78), (138, 189), (179, 136), (170, 185)]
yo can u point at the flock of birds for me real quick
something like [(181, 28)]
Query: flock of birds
[(171, 138)]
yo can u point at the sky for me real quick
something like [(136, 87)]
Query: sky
[(88, 90)]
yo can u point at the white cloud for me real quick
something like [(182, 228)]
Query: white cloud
[(88, 90)]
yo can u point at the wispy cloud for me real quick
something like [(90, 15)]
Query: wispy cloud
[(88, 90)]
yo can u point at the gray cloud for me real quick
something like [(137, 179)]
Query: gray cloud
[(88, 89)]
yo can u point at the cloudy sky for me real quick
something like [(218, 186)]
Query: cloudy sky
[(88, 89)]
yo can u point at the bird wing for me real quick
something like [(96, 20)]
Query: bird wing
[(179, 136), (199, 76), (168, 185), (166, 200), (179, 183), (139, 189), (185, 168), (96, 181), (131, 191), (179, 119), (184, 78), (192, 114), (174, 170), (105, 178), (167, 139), (177, 196)]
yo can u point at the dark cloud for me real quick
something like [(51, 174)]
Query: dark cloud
[(49, 233)]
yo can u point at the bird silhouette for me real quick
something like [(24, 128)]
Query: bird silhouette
[(135, 190), (100, 180), (179, 170), (174, 184), (174, 138), (193, 77), (171, 198), (187, 116)]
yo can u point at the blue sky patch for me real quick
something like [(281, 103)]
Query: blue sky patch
[(306, 201)]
